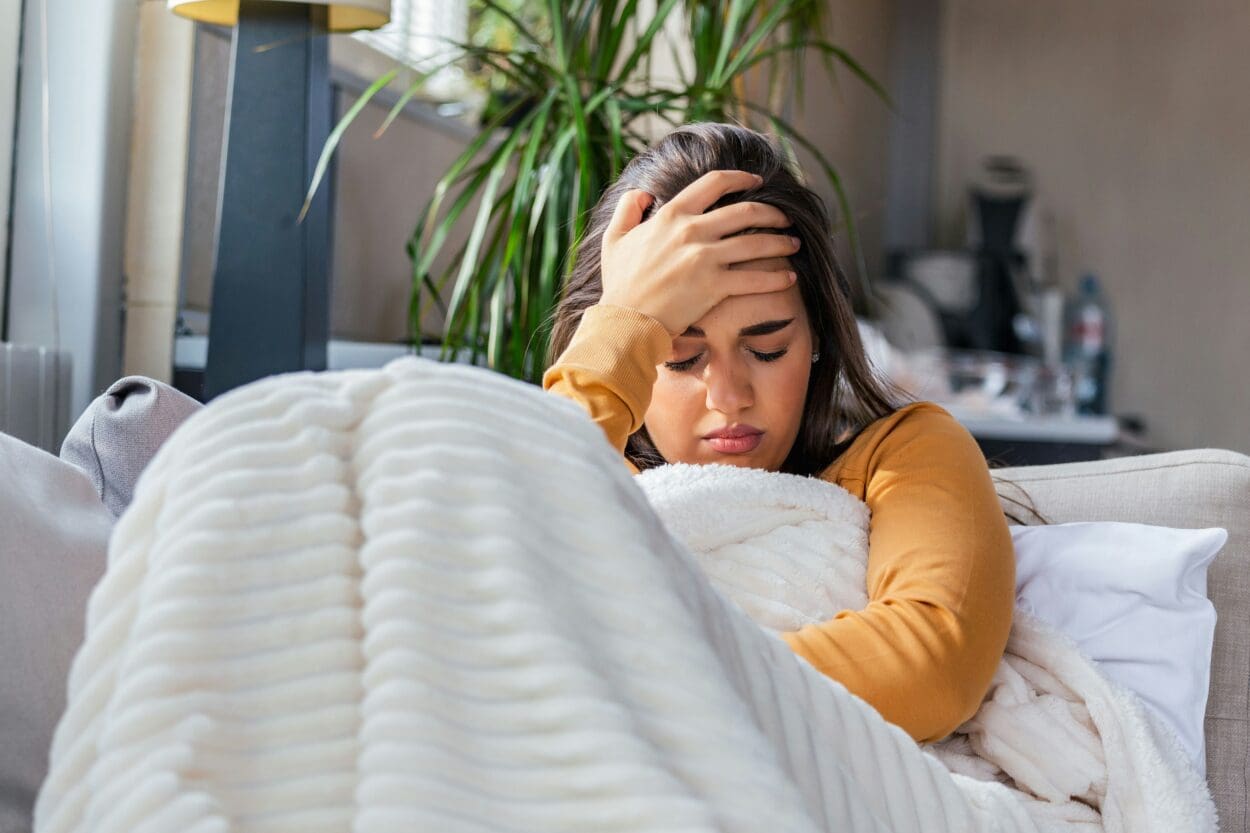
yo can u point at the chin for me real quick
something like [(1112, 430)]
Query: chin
[(743, 461)]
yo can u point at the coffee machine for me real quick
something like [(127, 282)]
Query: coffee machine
[(1001, 209), (981, 295)]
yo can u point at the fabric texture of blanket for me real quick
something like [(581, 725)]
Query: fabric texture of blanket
[(432, 598), (1079, 751)]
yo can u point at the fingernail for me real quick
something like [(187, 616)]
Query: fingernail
[(759, 178), (794, 241), (792, 277)]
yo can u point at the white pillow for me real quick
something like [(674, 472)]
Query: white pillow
[(1134, 598)]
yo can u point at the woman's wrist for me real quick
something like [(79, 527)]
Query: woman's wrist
[(642, 321), (619, 347), (613, 331)]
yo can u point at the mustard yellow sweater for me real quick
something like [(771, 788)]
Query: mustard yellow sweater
[(941, 568)]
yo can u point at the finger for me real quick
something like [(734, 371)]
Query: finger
[(731, 219), (628, 214), (735, 282), (701, 194), (754, 247)]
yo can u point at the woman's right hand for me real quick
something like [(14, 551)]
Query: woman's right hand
[(675, 266)]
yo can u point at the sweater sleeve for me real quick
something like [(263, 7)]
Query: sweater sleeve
[(609, 369), (941, 580)]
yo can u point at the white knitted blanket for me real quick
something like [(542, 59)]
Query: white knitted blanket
[(431, 598), (1079, 751)]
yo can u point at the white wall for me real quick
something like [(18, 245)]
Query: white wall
[(1135, 116), (851, 124), (91, 50), (381, 186)]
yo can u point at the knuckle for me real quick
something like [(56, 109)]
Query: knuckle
[(685, 259), (744, 212), (767, 214), (687, 232)]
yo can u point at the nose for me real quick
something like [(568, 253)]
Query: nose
[(728, 384)]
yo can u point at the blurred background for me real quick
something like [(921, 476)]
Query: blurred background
[(1044, 204)]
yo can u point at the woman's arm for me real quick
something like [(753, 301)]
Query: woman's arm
[(609, 368), (941, 576), (656, 279)]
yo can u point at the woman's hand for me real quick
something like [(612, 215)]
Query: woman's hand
[(675, 267)]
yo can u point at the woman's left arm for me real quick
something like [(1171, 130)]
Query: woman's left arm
[(941, 579)]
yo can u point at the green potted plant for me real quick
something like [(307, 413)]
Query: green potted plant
[(570, 92)]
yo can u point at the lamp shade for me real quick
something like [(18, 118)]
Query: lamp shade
[(344, 16)]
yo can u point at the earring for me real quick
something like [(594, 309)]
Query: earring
[(815, 357)]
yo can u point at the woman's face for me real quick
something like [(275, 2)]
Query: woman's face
[(745, 365)]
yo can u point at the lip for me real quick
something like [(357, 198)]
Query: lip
[(738, 439)]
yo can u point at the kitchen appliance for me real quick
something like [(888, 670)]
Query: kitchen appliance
[(984, 295)]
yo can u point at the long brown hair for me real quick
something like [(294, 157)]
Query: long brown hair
[(843, 394)]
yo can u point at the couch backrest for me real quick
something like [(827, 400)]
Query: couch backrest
[(54, 535), (1189, 489)]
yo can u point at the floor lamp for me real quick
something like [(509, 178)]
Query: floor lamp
[(270, 303)]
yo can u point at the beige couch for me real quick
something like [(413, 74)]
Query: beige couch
[(54, 558), (1194, 489)]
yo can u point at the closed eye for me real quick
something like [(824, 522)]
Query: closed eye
[(687, 364), (683, 365)]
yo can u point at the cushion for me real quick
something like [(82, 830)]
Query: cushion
[(1134, 599), (1195, 488), (52, 553), (119, 433)]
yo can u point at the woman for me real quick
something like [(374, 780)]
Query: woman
[(689, 339)]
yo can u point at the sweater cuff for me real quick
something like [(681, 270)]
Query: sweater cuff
[(621, 345)]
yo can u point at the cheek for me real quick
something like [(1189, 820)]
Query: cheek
[(788, 389), (676, 406)]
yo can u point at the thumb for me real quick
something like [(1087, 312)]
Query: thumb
[(628, 214)]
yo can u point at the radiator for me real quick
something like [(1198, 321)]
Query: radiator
[(34, 394)]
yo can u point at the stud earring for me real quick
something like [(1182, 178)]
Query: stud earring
[(815, 357)]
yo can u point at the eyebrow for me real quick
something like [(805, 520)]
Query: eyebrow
[(761, 329)]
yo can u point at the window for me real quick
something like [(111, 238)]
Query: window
[(420, 35)]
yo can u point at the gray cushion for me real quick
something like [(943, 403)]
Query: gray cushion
[(119, 433), (53, 543), (1190, 489)]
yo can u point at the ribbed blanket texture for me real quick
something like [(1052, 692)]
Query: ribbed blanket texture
[(429, 597)]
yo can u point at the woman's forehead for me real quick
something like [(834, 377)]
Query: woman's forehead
[(738, 311)]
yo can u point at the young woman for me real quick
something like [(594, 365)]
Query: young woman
[(707, 321)]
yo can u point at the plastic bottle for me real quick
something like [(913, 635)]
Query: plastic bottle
[(1087, 348)]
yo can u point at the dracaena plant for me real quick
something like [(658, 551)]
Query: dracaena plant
[(580, 95)]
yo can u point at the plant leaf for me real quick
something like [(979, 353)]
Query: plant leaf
[(511, 18), (738, 9), (336, 135), (582, 95), (643, 46), (844, 203), (829, 49), (764, 29)]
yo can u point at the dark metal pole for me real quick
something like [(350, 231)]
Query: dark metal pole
[(270, 306)]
